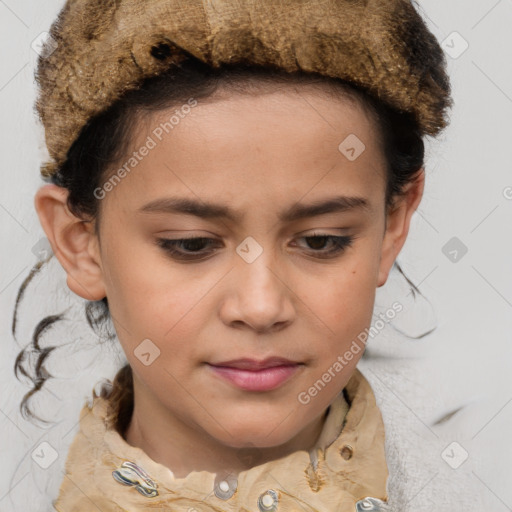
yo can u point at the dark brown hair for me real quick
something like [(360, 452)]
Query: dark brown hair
[(105, 138)]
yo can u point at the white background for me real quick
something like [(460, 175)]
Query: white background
[(466, 361)]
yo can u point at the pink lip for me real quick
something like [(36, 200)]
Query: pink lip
[(251, 375), (254, 364)]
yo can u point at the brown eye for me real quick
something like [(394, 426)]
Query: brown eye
[(317, 243), (187, 248)]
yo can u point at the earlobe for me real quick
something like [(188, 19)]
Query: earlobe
[(397, 225), (70, 239)]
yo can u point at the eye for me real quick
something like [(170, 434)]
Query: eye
[(337, 244), (194, 248)]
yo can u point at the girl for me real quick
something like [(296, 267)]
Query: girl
[(230, 183)]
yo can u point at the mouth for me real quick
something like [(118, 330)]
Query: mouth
[(254, 375)]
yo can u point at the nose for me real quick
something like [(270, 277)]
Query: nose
[(258, 296)]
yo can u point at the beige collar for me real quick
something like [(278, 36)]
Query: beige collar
[(343, 469)]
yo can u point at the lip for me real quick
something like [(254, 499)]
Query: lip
[(265, 379), (252, 375), (255, 364)]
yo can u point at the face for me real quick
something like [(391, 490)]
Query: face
[(289, 243)]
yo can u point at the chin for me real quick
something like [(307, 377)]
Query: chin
[(258, 435)]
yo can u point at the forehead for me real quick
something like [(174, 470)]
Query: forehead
[(271, 144)]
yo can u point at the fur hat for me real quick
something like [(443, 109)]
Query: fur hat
[(99, 49)]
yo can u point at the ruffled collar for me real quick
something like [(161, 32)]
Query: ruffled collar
[(347, 468)]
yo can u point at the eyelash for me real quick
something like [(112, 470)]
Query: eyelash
[(340, 244)]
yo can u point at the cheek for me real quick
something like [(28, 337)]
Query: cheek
[(343, 311), (151, 297), (163, 309), (344, 299)]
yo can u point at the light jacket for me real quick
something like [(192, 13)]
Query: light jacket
[(346, 471)]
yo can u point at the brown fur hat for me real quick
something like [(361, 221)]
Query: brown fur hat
[(101, 48)]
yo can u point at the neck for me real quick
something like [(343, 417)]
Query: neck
[(183, 447)]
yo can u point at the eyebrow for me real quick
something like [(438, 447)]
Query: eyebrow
[(208, 210)]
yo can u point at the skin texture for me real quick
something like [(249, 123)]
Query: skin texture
[(289, 302)]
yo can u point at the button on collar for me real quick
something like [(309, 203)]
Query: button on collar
[(346, 452), (131, 474), (370, 504), (268, 501), (225, 486)]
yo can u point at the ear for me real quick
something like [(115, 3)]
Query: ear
[(397, 224), (73, 242)]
